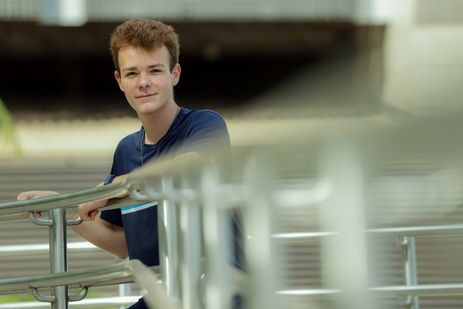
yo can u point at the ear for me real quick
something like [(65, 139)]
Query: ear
[(117, 76), (176, 74)]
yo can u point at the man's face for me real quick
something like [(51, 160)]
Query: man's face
[(145, 78)]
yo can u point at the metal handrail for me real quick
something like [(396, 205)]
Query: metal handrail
[(42, 249), (422, 231), (106, 275), (64, 200), (422, 289), (399, 290), (85, 303), (122, 272), (260, 257)]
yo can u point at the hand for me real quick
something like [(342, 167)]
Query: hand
[(30, 195), (88, 211), (119, 179)]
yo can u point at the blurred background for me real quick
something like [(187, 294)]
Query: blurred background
[(254, 59), (311, 66)]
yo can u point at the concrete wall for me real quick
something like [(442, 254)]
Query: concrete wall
[(424, 56)]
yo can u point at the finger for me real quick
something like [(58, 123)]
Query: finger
[(90, 216), (93, 214), (85, 214), (28, 195), (24, 196), (25, 214)]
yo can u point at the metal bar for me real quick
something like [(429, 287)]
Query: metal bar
[(42, 249), (260, 250), (125, 290), (217, 239), (308, 292), (302, 235), (78, 297), (86, 303), (408, 245), (145, 277), (107, 275), (155, 293), (190, 228), (168, 241), (65, 200), (58, 255), (422, 231), (12, 218), (103, 302), (421, 290), (436, 230), (342, 170)]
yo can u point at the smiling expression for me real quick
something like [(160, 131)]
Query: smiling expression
[(145, 78)]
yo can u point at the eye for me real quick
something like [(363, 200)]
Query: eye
[(155, 71), (130, 74)]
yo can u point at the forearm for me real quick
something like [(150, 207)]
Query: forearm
[(104, 235)]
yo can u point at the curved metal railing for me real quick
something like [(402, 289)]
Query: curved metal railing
[(343, 182), (60, 279)]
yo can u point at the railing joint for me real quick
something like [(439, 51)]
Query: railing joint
[(78, 297), (72, 222), (36, 219), (137, 195), (42, 298), (402, 241), (405, 301)]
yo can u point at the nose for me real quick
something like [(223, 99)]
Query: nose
[(144, 81)]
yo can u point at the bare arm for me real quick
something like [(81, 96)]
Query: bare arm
[(99, 232), (104, 235)]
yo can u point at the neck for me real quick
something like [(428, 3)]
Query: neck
[(157, 124)]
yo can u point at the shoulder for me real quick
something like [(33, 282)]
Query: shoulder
[(204, 131), (205, 118), (130, 140), (129, 143)]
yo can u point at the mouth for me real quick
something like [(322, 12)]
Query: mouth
[(145, 96)]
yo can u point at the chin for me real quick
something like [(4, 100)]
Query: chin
[(150, 110)]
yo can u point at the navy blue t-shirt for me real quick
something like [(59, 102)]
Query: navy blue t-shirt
[(198, 131)]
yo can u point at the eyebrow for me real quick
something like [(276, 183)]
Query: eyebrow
[(153, 66)]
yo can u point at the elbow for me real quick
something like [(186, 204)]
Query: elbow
[(121, 252), (122, 255)]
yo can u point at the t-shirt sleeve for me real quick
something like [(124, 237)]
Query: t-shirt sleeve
[(112, 216), (208, 134)]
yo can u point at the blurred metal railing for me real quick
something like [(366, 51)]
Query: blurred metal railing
[(358, 185), (43, 249), (124, 298), (60, 279)]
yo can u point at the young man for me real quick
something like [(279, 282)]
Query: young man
[(145, 54)]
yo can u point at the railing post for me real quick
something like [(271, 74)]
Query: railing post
[(58, 255), (190, 226), (262, 256), (168, 241), (217, 231), (408, 245), (124, 289), (344, 255)]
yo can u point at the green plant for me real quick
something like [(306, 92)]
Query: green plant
[(8, 141), (29, 298)]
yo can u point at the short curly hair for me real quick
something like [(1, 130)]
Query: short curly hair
[(147, 34)]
